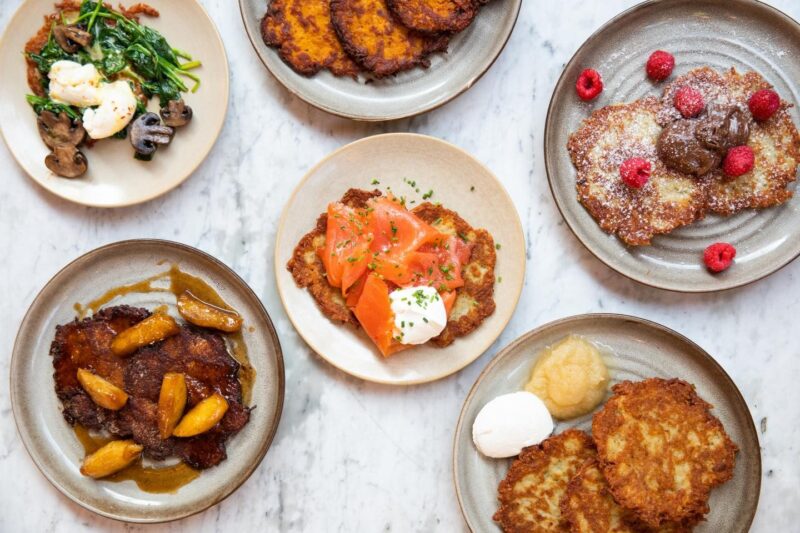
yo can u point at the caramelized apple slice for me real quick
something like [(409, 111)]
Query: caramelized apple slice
[(201, 313), (111, 458), (171, 402), (103, 393), (154, 328), (202, 417)]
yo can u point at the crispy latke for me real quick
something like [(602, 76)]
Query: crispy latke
[(474, 301), (308, 270), (615, 133), (434, 16), (377, 42), (608, 137), (775, 142), (302, 32), (589, 507), (531, 492), (661, 450)]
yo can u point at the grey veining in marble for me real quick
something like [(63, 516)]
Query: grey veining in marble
[(351, 456)]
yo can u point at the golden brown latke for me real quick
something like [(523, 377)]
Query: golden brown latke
[(533, 487), (377, 41), (671, 199), (661, 450), (474, 301), (589, 507), (775, 142), (608, 137), (434, 16), (308, 270), (302, 32)]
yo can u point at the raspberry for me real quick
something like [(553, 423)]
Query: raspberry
[(689, 101), (740, 160), (719, 256), (764, 103), (635, 172), (660, 65), (589, 84)]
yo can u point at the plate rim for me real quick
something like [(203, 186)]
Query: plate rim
[(266, 443), (279, 262), (376, 118), (738, 397), (550, 171), (150, 196)]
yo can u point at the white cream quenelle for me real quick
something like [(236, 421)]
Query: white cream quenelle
[(108, 107), (509, 423), (419, 314)]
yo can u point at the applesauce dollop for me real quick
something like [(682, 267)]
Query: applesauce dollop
[(570, 377)]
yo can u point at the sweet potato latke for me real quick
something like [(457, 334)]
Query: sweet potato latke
[(433, 16), (378, 38), (200, 354), (661, 450), (377, 41), (474, 301), (301, 30)]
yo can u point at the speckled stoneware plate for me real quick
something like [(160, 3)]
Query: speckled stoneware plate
[(633, 349), (115, 178), (51, 442), (744, 34), (409, 93), (460, 183)]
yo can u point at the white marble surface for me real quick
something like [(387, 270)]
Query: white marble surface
[(351, 456)]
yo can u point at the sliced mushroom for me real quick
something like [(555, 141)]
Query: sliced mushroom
[(67, 161), (176, 113), (147, 133), (72, 38), (60, 129)]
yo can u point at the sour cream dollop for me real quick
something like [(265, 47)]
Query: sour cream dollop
[(419, 314), (509, 423)]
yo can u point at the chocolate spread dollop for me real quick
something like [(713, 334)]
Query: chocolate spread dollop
[(723, 128), (697, 147), (679, 149)]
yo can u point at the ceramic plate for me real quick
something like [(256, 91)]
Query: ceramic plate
[(452, 174), (634, 349), (114, 177), (469, 56), (738, 33), (51, 442)]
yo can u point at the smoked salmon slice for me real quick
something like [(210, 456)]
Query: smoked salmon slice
[(346, 251), (396, 230), (374, 313), (372, 251)]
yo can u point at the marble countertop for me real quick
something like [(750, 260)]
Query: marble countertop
[(353, 456)]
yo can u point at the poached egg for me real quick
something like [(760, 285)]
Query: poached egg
[(108, 107), (74, 84), (509, 423), (114, 112), (419, 314)]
